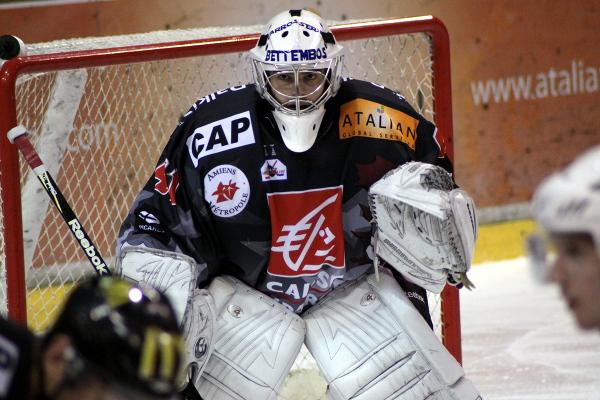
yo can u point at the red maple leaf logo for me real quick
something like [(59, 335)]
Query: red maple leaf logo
[(225, 192)]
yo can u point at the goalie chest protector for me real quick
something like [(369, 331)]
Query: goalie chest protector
[(293, 225)]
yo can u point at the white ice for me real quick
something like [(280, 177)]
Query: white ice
[(520, 342)]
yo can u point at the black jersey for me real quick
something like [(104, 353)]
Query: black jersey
[(227, 192), (16, 360)]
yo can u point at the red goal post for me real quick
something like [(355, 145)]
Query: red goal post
[(86, 107)]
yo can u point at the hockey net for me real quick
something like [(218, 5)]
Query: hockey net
[(100, 111)]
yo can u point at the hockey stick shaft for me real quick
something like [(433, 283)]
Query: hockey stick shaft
[(18, 136)]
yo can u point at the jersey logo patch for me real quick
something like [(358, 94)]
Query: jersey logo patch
[(273, 170), (306, 231), (148, 222), (222, 135), (364, 118), (167, 181), (226, 190)]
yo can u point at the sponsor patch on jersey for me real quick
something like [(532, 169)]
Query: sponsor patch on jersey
[(226, 190), (364, 118), (222, 135), (148, 222), (273, 170), (306, 231)]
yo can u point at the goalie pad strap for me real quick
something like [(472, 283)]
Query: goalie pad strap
[(371, 343), (199, 326), (256, 343)]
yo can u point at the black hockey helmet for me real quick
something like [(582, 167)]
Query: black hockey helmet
[(123, 333)]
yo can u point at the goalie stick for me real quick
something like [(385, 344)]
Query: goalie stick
[(18, 136)]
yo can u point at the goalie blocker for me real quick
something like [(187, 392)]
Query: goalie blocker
[(424, 228)]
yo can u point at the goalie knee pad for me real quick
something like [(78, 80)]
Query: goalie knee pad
[(371, 343), (256, 342)]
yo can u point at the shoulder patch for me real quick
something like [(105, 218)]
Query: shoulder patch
[(364, 118), (222, 135)]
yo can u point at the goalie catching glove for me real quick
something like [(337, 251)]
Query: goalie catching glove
[(424, 228)]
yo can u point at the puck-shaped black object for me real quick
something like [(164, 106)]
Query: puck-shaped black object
[(10, 47)]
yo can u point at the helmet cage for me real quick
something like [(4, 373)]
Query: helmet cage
[(296, 102)]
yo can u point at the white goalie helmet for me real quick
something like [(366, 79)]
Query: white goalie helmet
[(296, 65), (568, 201)]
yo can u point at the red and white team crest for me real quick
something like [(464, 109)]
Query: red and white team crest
[(227, 190), (306, 231)]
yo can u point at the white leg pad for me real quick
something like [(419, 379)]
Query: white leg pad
[(255, 345), (371, 343)]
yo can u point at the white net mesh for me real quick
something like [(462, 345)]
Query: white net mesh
[(100, 131)]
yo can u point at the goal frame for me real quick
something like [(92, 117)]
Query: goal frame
[(9, 161)]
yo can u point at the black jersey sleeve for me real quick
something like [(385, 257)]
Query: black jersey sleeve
[(431, 145), (171, 212), (166, 214)]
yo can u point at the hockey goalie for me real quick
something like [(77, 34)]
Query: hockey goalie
[(305, 208)]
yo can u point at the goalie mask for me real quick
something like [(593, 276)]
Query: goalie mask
[(124, 334), (566, 202), (296, 65)]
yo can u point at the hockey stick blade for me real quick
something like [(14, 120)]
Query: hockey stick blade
[(18, 136)]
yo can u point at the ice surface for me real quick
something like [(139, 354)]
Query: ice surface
[(520, 342)]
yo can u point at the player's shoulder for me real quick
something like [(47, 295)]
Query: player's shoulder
[(220, 122), (372, 92), (223, 103)]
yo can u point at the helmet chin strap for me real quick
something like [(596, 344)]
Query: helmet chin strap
[(299, 132)]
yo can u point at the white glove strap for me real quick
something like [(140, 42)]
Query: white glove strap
[(199, 326), (465, 225)]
